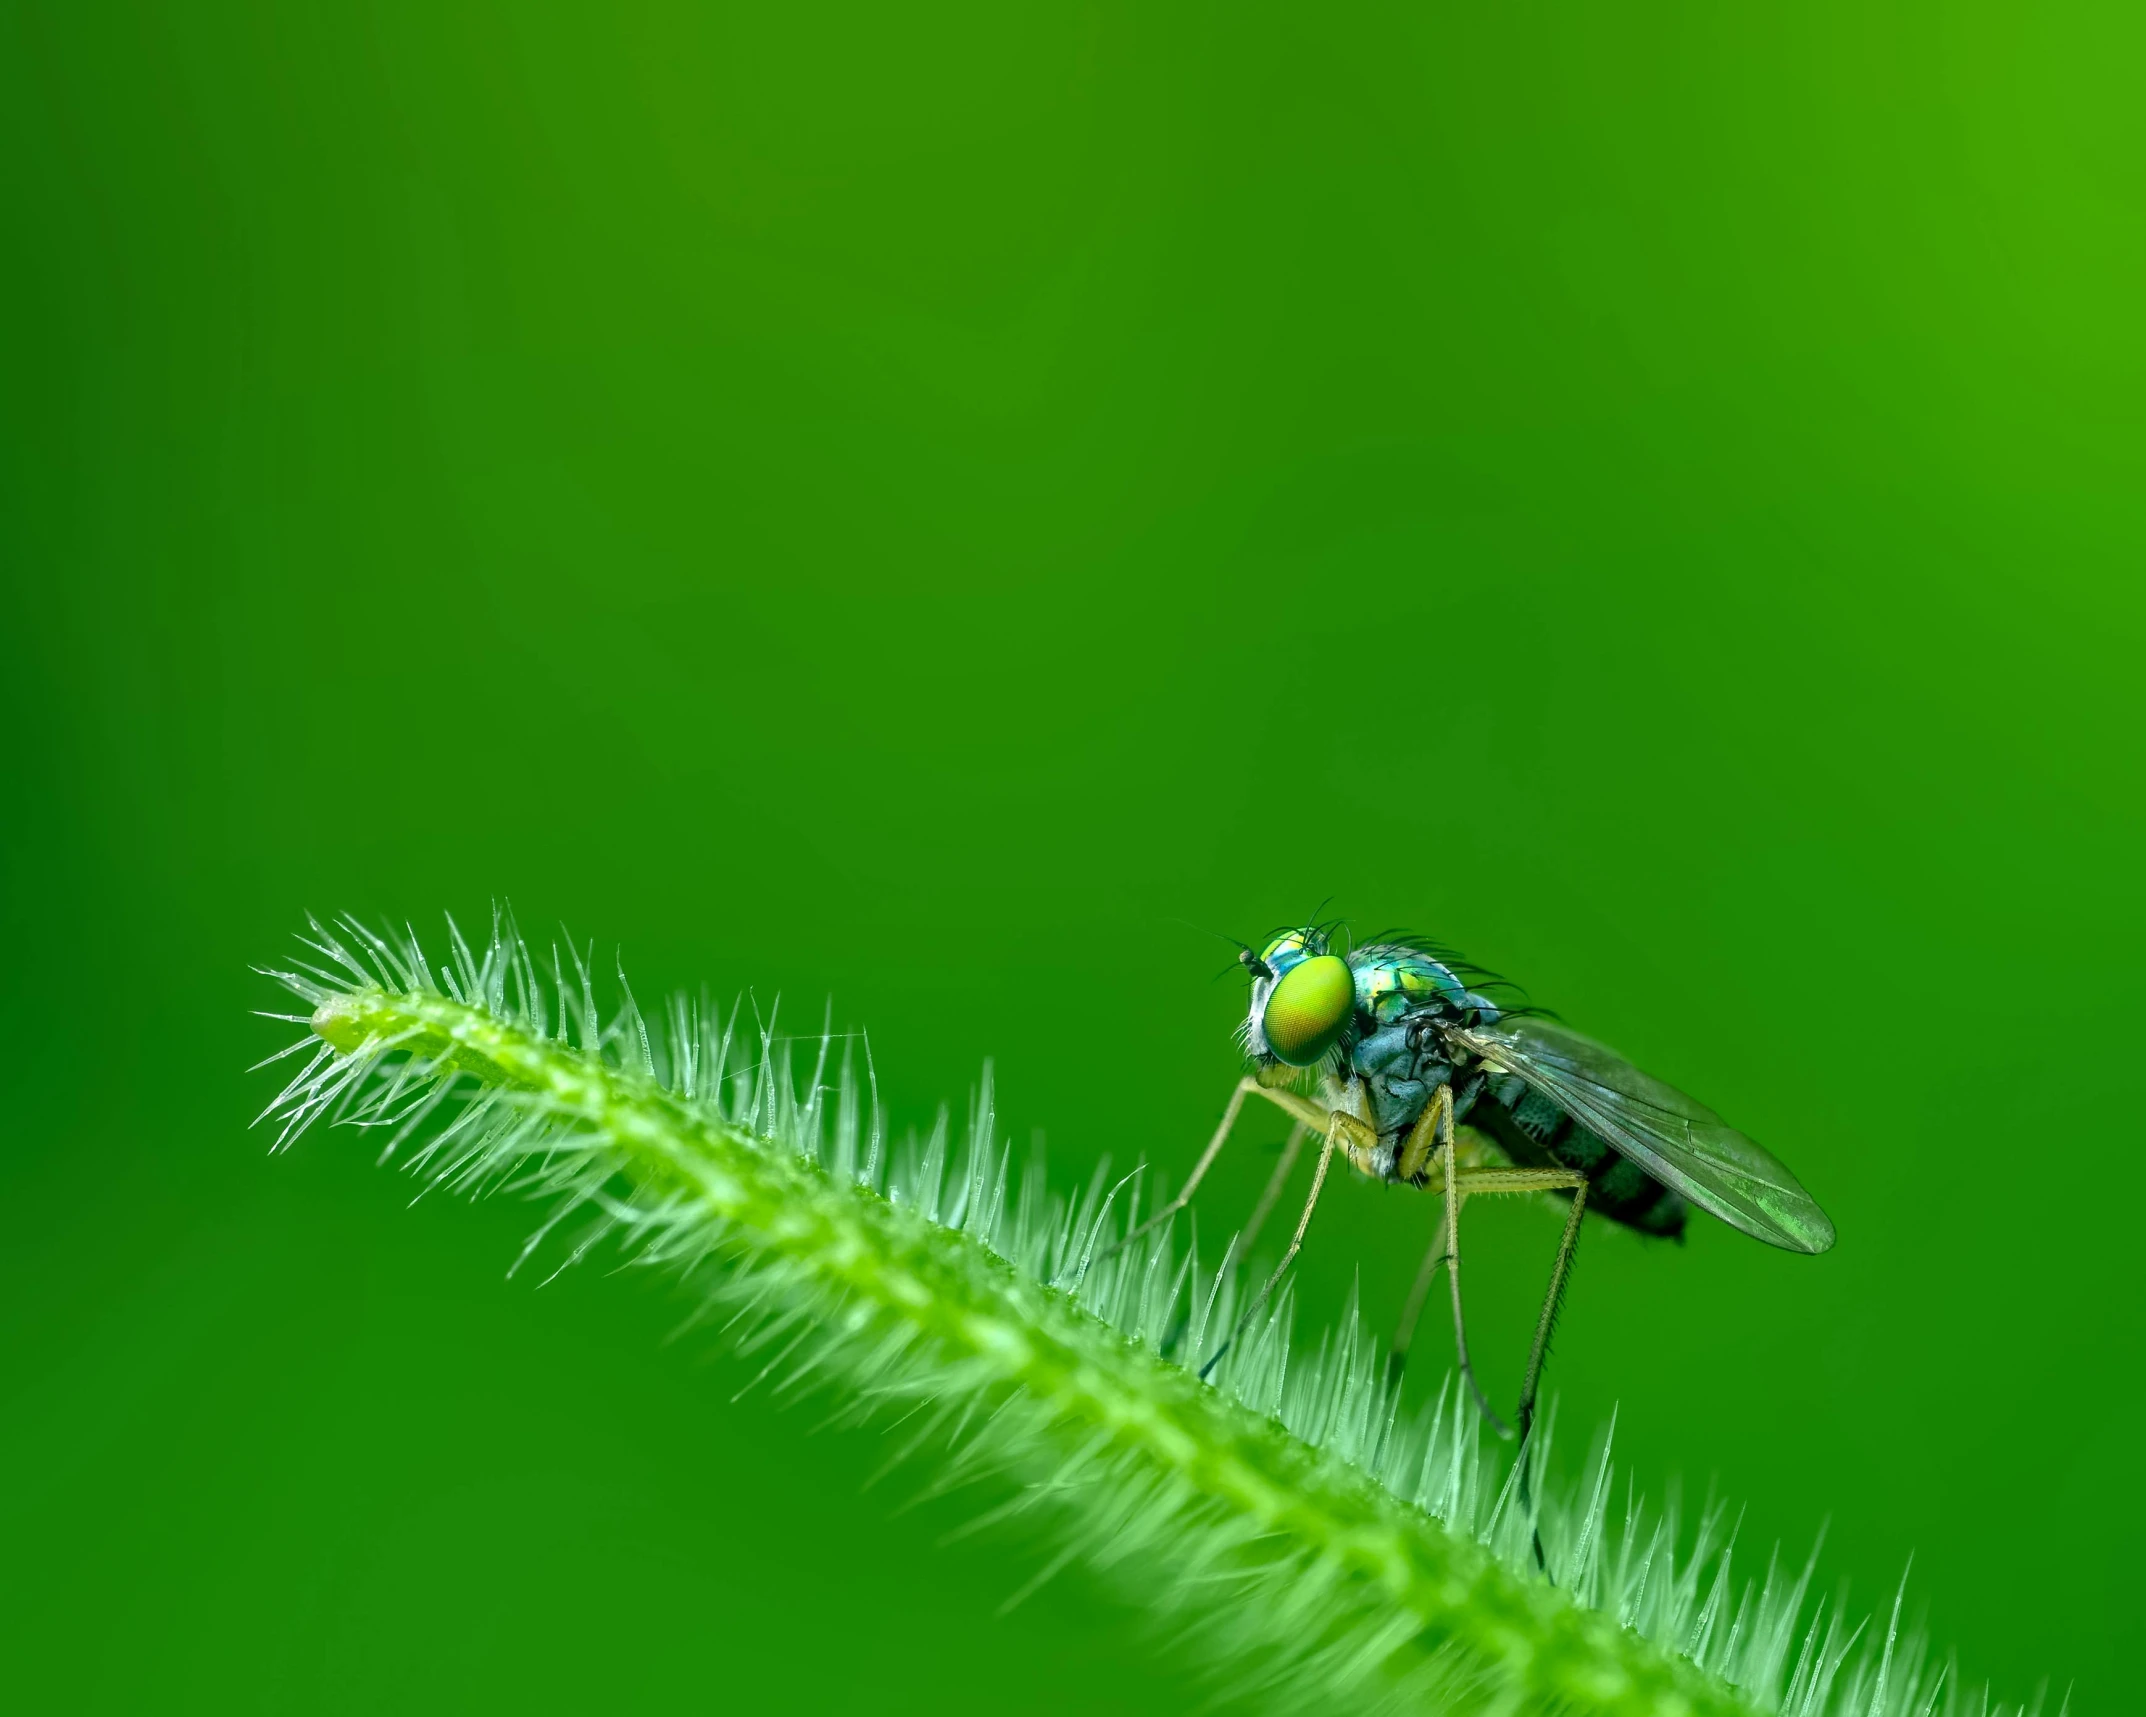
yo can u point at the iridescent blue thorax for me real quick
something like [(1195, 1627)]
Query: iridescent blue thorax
[(1395, 982), (1395, 1059)]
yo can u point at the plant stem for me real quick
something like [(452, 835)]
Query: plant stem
[(1444, 1602)]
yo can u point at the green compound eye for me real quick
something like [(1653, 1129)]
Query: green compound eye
[(1309, 1009)]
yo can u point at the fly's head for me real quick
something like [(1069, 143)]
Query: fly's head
[(1303, 1003)]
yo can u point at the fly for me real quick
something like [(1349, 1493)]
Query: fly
[(1401, 1041)]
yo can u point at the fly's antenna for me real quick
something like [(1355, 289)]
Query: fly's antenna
[(1204, 930), (1245, 953)]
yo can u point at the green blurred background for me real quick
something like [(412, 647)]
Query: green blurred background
[(918, 504)]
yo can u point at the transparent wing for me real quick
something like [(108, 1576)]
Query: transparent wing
[(1680, 1142)]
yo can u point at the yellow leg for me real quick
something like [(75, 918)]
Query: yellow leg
[(1341, 1131), (1536, 1354), (1275, 1182), (1474, 1181), (1306, 1115), (1404, 1334), (1548, 1320), (1413, 1165), (1452, 1216), (1459, 1184), (1296, 1240), (1413, 1162)]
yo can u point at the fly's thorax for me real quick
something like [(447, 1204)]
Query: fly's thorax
[(1395, 1078), (1394, 982), (1401, 1068)]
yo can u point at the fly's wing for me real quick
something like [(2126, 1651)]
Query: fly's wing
[(1681, 1143)]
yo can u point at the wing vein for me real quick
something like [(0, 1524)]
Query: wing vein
[(1680, 1142)]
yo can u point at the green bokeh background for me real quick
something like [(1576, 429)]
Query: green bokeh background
[(916, 504)]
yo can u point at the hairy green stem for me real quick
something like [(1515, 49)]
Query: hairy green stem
[(1525, 1643), (1302, 1537)]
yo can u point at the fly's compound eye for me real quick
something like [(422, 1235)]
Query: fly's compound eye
[(1309, 1009)]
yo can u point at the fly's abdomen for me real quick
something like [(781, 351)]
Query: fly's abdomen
[(1535, 1132)]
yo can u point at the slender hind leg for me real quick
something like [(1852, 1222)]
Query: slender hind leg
[(1459, 1184), (1536, 1355), (1551, 1301), (1446, 1250), (1464, 1183)]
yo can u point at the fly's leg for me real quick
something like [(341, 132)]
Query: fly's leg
[(1318, 1180), (1459, 1183), (1275, 1182), (1551, 1302), (1438, 1119), (1291, 1150), (1415, 1158), (1303, 1113), (1460, 1323), (1536, 1355), (1412, 1162), (1339, 1126), (1397, 1355)]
